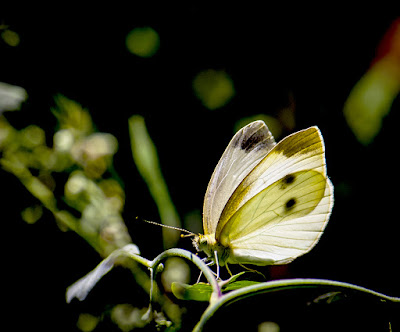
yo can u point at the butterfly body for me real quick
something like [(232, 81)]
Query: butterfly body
[(266, 203)]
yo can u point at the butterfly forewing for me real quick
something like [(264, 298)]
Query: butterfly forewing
[(244, 152), (300, 151)]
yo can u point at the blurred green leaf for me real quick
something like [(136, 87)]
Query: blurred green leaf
[(145, 156), (77, 149), (371, 99), (39, 190), (71, 115)]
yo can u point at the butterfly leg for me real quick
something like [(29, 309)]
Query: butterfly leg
[(201, 272), (216, 262), (251, 270), (198, 279), (229, 271)]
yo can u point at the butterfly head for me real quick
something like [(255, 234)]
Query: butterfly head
[(208, 244), (203, 242)]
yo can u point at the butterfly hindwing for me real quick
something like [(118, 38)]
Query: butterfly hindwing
[(280, 223), (280, 238), (245, 150), (295, 195)]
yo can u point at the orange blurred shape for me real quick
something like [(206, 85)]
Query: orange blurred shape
[(389, 44)]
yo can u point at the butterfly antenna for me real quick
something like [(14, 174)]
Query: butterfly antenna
[(170, 227)]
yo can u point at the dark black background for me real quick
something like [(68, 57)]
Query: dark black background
[(314, 54)]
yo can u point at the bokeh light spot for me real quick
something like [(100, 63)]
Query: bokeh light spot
[(10, 37), (87, 322), (63, 140), (143, 42), (214, 88), (32, 214), (268, 327)]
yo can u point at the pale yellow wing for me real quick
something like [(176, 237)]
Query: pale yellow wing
[(249, 145), (303, 150), (282, 222)]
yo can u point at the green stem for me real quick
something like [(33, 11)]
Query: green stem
[(175, 252), (272, 286), (141, 260), (195, 260)]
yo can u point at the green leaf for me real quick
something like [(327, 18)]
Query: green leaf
[(197, 292), (239, 284), (235, 277), (202, 291)]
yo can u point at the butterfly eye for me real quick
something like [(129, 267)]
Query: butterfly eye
[(203, 240)]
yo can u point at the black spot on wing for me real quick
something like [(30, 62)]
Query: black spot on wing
[(287, 180), (253, 137), (257, 139), (290, 204)]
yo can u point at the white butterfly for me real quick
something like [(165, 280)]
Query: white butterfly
[(266, 203)]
